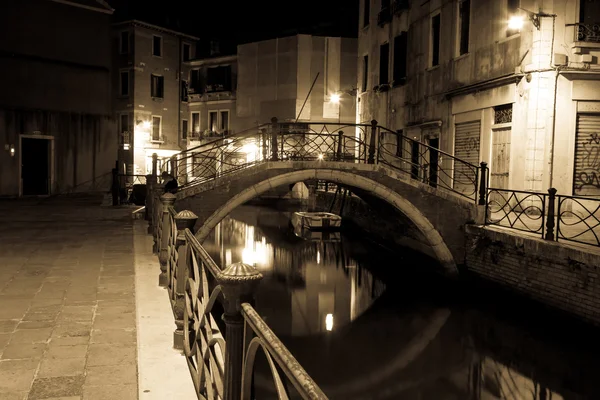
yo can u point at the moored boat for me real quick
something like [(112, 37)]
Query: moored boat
[(316, 220)]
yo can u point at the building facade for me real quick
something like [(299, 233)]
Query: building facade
[(513, 83), (56, 128), (275, 79), (212, 86), (150, 70)]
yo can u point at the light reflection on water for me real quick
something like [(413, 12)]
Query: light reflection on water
[(315, 282), (412, 341)]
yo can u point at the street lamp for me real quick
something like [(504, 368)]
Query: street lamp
[(335, 98)]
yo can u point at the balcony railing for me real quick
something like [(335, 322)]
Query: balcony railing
[(384, 16), (587, 33)]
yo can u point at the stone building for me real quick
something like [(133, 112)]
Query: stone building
[(56, 129), (150, 86), (212, 98), (275, 77), (513, 83)]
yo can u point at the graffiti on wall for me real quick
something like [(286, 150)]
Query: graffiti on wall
[(587, 172)]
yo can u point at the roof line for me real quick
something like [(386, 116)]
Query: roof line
[(157, 27), (106, 9)]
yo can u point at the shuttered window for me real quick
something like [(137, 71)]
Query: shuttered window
[(466, 148), (586, 181)]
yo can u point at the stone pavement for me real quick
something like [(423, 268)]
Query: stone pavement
[(68, 315)]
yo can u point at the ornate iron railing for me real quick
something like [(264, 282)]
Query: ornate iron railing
[(428, 164), (357, 143), (221, 363), (587, 32), (516, 209), (578, 219)]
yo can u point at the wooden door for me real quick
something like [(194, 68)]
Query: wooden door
[(499, 170)]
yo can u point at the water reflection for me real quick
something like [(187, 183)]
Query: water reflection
[(314, 282), (411, 338)]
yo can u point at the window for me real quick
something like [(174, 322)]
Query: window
[(384, 64), (187, 49), (366, 12), (464, 16), (157, 46), (195, 124), (156, 127), (224, 121), (435, 40), (184, 90), (213, 124), (124, 83), (365, 78), (218, 79), (184, 129), (124, 42), (400, 58), (195, 81), (512, 8), (158, 86), (124, 128)]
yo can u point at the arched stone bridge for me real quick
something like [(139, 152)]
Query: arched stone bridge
[(439, 215)]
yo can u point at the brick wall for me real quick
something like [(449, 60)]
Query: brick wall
[(559, 275)]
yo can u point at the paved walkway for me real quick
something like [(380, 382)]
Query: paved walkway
[(81, 314)]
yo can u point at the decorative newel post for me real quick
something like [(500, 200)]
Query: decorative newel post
[(550, 215), (340, 145), (482, 183), (184, 220), (167, 200), (372, 142), (149, 210), (274, 132), (239, 283)]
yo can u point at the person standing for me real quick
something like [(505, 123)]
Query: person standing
[(170, 182)]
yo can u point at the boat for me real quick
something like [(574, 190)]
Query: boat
[(316, 220)]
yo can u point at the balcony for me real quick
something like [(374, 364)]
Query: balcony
[(398, 6), (384, 16)]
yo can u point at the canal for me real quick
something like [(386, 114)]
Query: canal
[(369, 322)]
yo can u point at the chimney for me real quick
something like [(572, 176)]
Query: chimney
[(214, 48)]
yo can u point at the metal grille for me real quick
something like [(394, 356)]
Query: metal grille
[(503, 114), (586, 181), (466, 147)]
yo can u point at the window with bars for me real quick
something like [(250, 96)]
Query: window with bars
[(503, 114)]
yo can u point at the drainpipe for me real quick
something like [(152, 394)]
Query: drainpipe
[(551, 174)]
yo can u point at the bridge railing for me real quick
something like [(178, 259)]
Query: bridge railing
[(354, 143), (429, 164), (221, 359), (550, 215)]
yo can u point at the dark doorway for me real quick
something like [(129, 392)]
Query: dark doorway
[(35, 166), (414, 160), (433, 161)]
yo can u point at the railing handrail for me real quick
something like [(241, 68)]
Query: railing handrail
[(206, 258), (303, 383)]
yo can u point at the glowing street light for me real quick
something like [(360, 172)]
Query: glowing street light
[(334, 98), (329, 322), (147, 124), (515, 22), (320, 156)]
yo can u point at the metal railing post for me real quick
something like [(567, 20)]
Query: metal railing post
[(167, 200), (372, 142), (238, 282), (154, 164), (115, 188), (482, 183), (274, 133), (550, 215), (340, 145), (184, 220)]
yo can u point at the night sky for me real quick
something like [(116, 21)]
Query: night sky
[(234, 22)]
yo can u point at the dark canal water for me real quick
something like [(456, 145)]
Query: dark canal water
[(370, 323)]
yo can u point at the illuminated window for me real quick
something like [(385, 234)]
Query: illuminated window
[(195, 124)]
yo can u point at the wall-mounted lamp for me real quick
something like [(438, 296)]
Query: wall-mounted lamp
[(12, 151), (126, 146), (516, 21), (334, 98)]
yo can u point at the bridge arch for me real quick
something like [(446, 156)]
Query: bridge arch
[(433, 237)]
